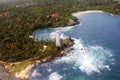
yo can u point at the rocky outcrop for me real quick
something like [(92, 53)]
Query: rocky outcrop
[(48, 58), (72, 22)]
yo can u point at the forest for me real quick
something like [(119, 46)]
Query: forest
[(18, 19)]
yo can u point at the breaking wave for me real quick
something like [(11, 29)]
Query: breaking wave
[(91, 59), (55, 76), (83, 59)]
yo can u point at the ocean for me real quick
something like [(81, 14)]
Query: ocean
[(96, 50)]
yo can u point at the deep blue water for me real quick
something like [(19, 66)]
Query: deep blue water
[(99, 33)]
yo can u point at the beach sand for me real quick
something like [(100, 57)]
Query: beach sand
[(25, 73), (79, 13)]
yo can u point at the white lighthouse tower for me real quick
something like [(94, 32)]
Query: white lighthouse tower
[(57, 36)]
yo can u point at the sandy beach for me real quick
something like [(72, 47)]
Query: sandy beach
[(76, 14), (25, 73)]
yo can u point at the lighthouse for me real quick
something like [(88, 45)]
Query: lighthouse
[(57, 36)]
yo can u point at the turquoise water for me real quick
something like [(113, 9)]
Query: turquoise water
[(96, 50)]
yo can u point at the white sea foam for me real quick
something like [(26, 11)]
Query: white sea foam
[(35, 74), (108, 67), (49, 70), (89, 60), (62, 36), (63, 29), (55, 76), (61, 32)]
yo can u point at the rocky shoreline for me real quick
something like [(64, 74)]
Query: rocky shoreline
[(24, 74), (6, 72)]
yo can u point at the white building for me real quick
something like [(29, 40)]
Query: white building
[(57, 36)]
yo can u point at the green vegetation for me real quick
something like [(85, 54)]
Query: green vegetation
[(20, 18), (19, 66), (42, 54)]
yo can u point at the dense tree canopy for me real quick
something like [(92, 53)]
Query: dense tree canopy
[(18, 19)]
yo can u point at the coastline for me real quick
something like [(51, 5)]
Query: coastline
[(24, 74), (79, 13), (68, 49)]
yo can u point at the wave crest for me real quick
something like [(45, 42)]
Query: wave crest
[(91, 59)]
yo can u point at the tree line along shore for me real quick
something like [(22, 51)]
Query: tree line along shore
[(19, 19)]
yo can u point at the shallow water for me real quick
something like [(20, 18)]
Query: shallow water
[(96, 50)]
